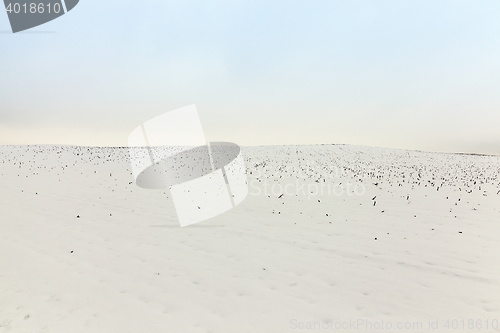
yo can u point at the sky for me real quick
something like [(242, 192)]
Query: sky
[(418, 74)]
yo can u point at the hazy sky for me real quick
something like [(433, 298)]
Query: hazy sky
[(392, 73)]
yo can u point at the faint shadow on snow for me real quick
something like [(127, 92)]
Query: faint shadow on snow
[(191, 226)]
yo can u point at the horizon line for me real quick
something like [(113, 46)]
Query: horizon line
[(249, 146)]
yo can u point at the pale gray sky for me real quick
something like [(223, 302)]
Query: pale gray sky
[(404, 74)]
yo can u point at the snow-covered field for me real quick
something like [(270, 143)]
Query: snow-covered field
[(330, 238)]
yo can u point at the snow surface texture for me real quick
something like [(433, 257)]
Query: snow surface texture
[(362, 235)]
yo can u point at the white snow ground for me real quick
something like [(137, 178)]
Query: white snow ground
[(321, 261)]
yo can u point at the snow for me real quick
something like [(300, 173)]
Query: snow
[(360, 235)]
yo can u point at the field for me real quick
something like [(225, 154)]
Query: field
[(330, 238)]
